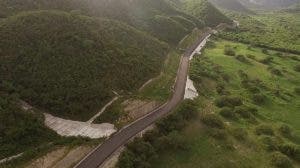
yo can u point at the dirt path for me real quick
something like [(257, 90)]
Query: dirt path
[(90, 121)]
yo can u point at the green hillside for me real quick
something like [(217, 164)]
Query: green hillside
[(20, 130), (70, 64), (276, 30), (269, 4), (205, 11), (231, 5), (246, 115), (141, 14)]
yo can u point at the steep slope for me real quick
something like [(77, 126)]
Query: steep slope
[(141, 14), (205, 11), (20, 130), (268, 4), (232, 5), (69, 64)]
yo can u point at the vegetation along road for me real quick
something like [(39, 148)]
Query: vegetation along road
[(103, 151)]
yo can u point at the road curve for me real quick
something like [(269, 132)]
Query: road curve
[(103, 151)]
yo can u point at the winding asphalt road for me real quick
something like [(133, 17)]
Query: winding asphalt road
[(103, 151)]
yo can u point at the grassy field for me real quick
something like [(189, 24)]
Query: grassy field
[(278, 30), (282, 104), (248, 110)]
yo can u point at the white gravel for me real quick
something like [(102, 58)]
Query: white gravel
[(200, 46), (76, 128), (190, 90)]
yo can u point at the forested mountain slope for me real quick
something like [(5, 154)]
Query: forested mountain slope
[(60, 56), (206, 11), (268, 4), (19, 129), (69, 64), (155, 17), (232, 5)]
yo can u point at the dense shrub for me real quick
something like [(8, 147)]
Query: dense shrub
[(221, 90), (243, 75), (21, 130), (285, 130), (138, 154), (126, 159), (210, 44), (167, 29), (242, 111), (253, 89), (228, 113), (188, 110), (173, 141), (69, 64), (188, 24), (213, 121), (229, 51), (297, 90), (240, 134), (151, 135), (185, 112), (265, 51), (251, 56), (141, 151), (225, 77), (267, 60), (177, 141), (170, 123), (291, 150), (228, 101), (242, 58), (279, 160), (297, 68), (205, 11), (275, 71), (110, 115), (269, 143), (264, 129), (259, 98), (217, 134), (295, 57), (203, 67), (252, 110)]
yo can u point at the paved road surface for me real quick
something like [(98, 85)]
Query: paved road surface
[(103, 151)]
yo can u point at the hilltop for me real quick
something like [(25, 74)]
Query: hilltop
[(231, 5), (142, 14), (202, 9), (268, 4)]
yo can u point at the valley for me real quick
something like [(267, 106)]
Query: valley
[(151, 80)]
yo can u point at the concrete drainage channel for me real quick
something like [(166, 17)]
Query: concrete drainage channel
[(65, 127), (85, 129), (190, 90)]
